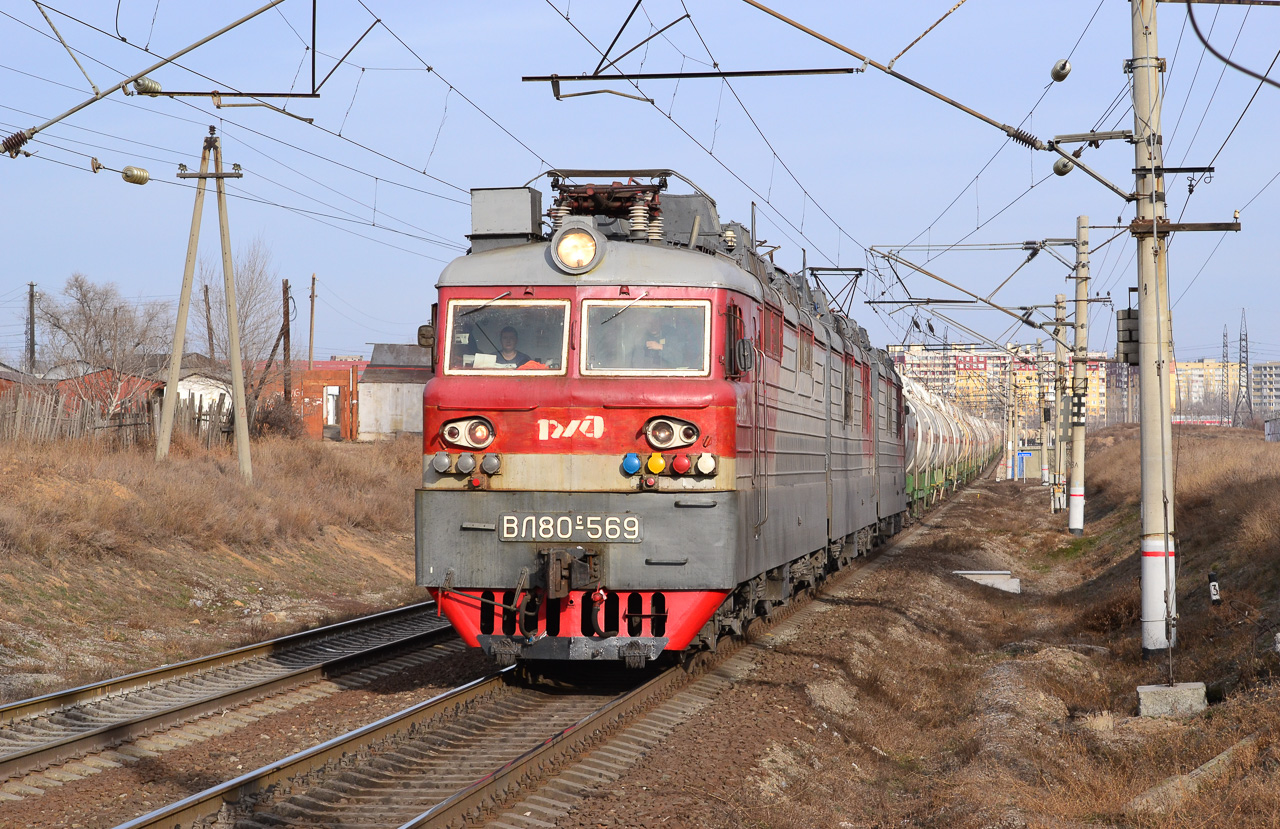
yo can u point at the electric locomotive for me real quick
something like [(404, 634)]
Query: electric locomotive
[(640, 433)]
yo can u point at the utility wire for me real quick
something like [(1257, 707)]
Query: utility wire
[(308, 214), (219, 84), (1196, 28), (224, 120)]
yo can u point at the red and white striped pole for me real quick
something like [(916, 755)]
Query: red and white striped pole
[(1079, 380), (1159, 613)]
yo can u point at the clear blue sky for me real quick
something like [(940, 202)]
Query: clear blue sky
[(856, 160)]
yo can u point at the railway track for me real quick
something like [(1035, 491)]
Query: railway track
[(450, 760), (44, 731), (437, 763)]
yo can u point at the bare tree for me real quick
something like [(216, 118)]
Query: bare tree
[(257, 306), (102, 343)]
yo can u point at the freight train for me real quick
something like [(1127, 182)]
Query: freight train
[(640, 433)]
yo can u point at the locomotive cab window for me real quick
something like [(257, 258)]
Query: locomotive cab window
[(646, 338), (507, 336)]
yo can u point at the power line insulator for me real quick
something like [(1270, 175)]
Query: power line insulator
[(1060, 70), (14, 142), (135, 175), (146, 86)]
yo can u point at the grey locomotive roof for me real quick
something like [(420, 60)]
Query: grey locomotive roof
[(624, 263)]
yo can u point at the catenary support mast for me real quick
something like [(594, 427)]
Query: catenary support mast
[(1059, 404), (1159, 612), (1079, 379)]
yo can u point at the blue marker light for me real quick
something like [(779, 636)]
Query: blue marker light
[(631, 463)]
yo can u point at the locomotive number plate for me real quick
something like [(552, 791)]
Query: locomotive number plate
[(527, 526)]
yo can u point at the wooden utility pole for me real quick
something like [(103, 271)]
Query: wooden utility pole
[(170, 405), (208, 321), (240, 412), (288, 351), (311, 340), (31, 328)]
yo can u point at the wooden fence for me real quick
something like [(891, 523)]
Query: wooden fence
[(39, 415)]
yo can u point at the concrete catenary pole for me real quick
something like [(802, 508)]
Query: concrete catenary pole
[(169, 406), (233, 325), (1079, 379), (1046, 420), (1159, 612), (1059, 412), (1011, 423), (1008, 420)]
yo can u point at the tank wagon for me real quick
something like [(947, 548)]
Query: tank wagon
[(640, 433), (946, 446)]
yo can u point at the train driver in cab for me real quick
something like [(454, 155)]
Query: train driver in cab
[(663, 344), (508, 355)]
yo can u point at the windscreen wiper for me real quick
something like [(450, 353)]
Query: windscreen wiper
[(486, 304), (625, 307)]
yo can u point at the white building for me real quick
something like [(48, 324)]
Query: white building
[(390, 391)]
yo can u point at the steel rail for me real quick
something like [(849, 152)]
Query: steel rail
[(210, 801), (76, 745), (58, 700), (494, 787)]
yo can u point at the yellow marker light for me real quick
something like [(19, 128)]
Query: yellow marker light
[(576, 249), (656, 464)]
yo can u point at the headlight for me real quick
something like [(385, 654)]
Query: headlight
[(669, 433), (576, 249), (471, 433)]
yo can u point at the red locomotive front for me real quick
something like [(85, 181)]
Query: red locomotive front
[(580, 495)]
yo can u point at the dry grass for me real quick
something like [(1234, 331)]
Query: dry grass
[(80, 500), (114, 562)]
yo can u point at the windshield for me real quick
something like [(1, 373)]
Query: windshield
[(494, 336), (628, 337)]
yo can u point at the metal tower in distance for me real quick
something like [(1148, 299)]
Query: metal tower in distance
[(1244, 401), (1224, 406)]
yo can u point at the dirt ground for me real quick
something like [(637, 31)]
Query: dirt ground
[(917, 698)]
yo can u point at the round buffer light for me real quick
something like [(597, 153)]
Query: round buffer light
[(470, 433), (662, 432), (479, 433), (669, 433)]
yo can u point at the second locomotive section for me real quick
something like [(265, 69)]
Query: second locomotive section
[(640, 433)]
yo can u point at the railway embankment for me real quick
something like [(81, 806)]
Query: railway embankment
[(918, 698), (114, 563)]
